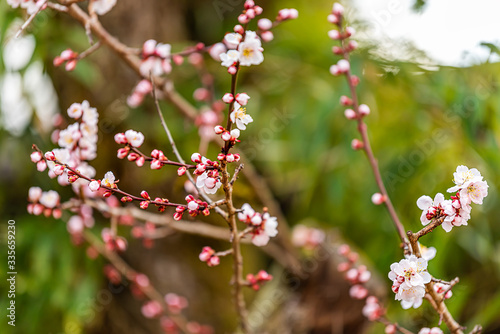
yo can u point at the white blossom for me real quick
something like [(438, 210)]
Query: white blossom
[(134, 138), (49, 199), (229, 58), (463, 177), (108, 180), (251, 50), (240, 116), (430, 208), (34, 194), (101, 7)]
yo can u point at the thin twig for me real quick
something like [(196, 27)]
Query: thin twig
[(89, 51), (30, 19)]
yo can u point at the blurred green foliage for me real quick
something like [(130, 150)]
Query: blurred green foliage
[(423, 124)]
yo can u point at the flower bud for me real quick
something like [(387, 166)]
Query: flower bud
[(343, 66), (350, 114), (50, 156), (144, 205), (196, 157), (239, 29), (243, 19), (265, 24), (267, 36), (357, 144), (218, 129), (228, 98), (181, 171), (338, 9), (334, 34), (36, 156), (226, 136), (364, 110), (378, 198), (242, 98), (145, 195), (345, 100)]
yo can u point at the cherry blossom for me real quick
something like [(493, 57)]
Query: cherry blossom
[(240, 116), (108, 180), (156, 59), (413, 270), (34, 194), (101, 7), (249, 216), (49, 199), (268, 229), (75, 110), (372, 309), (134, 138), (474, 192), (463, 177), (250, 50), (229, 58)]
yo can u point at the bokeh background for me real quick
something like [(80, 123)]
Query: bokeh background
[(425, 121)]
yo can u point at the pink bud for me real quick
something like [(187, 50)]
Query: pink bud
[(237, 157), (122, 152), (350, 114), (243, 19), (218, 129), (357, 144), (226, 136), (293, 14), (390, 329), (148, 48), (337, 50), (140, 161), (121, 244), (232, 70), (156, 164), (334, 34), (57, 214), (344, 266), (37, 209), (249, 4), (338, 9), (364, 109), (59, 169), (70, 65), (239, 29), (221, 156), (196, 157), (354, 80), (178, 59), (50, 156), (334, 70), (41, 165), (343, 65), (120, 138), (230, 157), (228, 98), (193, 205), (378, 198), (58, 61), (258, 10), (68, 54), (283, 14), (213, 261), (94, 185), (201, 94), (177, 216), (344, 250), (144, 204), (353, 45), (351, 275), (358, 292), (36, 156), (350, 31), (250, 13), (145, 195), (132, 157), (345, 101), (267, 36), (265, 24), (333, 19), (181, 171)]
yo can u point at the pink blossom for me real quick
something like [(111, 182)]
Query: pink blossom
[(364, 109), (216, 50), (49, 199), (34, 194), (134, 138), (75, 225), (378, 198), (94, 185)]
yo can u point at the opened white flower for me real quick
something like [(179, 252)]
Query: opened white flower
[(34, 194), (134, 138), (75, 110), (251, 50), (69, 136), (475, 191), (90, 115), (413, 270), (101, 7), (249, 216), (229, 58), (267, 230), (49, 199), (233, 39), (463, 177), (410, 296), (108, 180), (240, 116)]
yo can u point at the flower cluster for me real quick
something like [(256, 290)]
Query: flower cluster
[(46, 202), (69, 57), (143, 88), (358, 276), (208, 175), (31, 6), (78, 144), (469, 188), (208, 255), (255, 281), (155, 59), (409, 277), (263, 226), (247, 52), (307, 237)]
